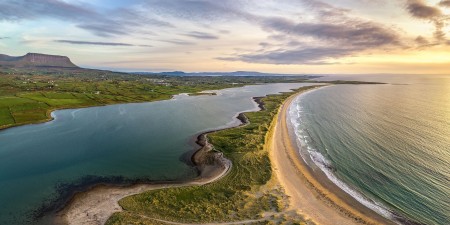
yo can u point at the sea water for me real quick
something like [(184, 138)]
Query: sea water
[(386, 145)]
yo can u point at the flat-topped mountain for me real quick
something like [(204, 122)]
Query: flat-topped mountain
[(36, 60)]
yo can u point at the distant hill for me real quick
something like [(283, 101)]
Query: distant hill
[(236, 73), (32, 60), (38, 63)]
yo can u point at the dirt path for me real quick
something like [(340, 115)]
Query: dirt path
[(266, 218)]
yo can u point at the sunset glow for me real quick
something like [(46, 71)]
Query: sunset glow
[(305, 36)]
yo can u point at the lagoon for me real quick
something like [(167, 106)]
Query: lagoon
[(41, 165)]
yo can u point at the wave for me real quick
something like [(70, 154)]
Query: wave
[(308, 150)]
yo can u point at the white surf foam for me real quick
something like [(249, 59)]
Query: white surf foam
[(304, 142)]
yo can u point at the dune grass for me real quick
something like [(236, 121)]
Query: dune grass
[(245, 193)]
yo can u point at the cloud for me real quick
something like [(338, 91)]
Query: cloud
[(422, 41), (102, 30), (136, 17), (312, 55), (352, 32), (4, 38), (126, 21), (334, 35), (198, 10), (16, 10), (26, 9), (445, 3), (104, 23), (319, 36), (419, 9), (201, 35), (97, 43), (335, 28), (178, 42), (439, 34)]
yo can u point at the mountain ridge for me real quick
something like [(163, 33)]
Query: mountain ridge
[(31, 60)]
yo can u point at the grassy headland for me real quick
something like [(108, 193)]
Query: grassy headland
[(246, 193)]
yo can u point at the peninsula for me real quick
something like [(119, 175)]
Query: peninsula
[(286, 190)]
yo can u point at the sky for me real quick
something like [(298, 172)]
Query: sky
[(279, 36)]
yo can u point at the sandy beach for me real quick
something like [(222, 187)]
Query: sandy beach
[(310, 192), (95, 206)]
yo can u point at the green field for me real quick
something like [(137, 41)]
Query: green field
[(28, 96), (246, 193)]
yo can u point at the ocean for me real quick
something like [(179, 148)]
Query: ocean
[(386, 145)]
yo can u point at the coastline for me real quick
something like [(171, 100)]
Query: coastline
[(310, 191), (50, 111), (98, 203)]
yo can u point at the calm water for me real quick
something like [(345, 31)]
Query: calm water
[(134, 141), (386, 145)]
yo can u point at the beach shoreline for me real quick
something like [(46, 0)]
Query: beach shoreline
[(311, 192), (96, 204), (324, 205)]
